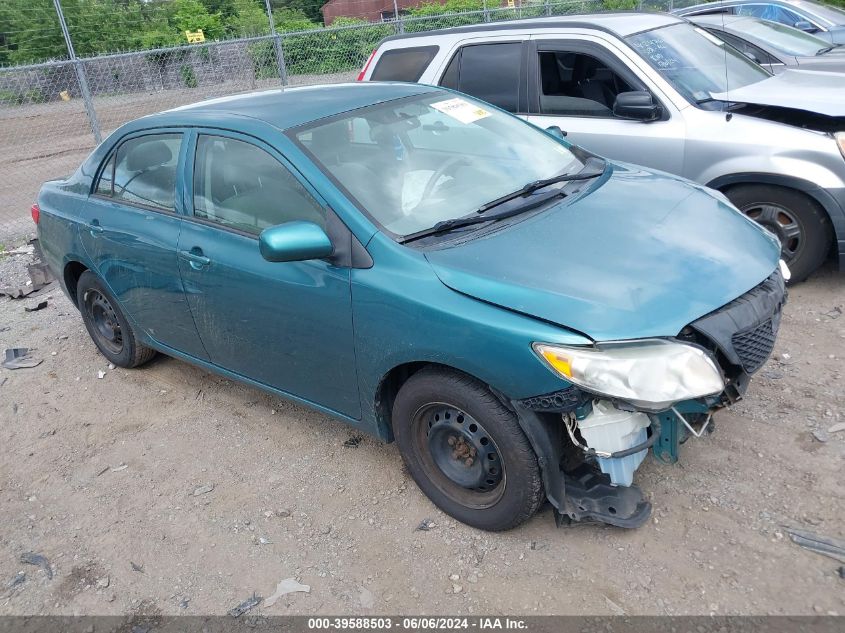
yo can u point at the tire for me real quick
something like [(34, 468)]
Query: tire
[(801, 225), (106, 324), (439, 417)]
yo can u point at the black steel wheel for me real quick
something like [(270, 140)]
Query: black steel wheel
[(457, 450), (108, 327), (99, 311), (801, 226), (466, 450)]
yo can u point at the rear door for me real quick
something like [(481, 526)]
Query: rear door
[(492, 69), (130, 229), (284, 324), (573, 83)]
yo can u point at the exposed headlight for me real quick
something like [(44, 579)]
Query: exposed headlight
[(651, 374), (840, 141)]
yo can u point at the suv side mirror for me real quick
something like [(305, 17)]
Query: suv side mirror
[(294, 242), (805, 26), (750, 55), (636, 105), (555, 130)]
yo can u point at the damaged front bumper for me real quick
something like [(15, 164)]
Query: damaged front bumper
[(588, 447)]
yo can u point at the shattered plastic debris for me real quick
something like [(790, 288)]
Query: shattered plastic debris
[(101, 374), (31, 558), (353, 441), (823, 545), (20, 358), (39, 306), (426, 525), (203, 490), (245, 606), (19, 579), (286, 586)]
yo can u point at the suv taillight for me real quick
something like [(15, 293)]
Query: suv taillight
[(366, 65), (36, 213)]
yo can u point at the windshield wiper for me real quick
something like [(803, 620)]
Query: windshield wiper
[(597, 169), (479, 217)]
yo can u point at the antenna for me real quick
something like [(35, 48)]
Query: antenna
[(727, 81)]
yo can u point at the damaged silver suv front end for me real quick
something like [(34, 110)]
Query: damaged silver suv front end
[(629, 397)]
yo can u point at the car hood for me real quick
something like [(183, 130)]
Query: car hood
[(832, 62), (637, 255), (819, 92)]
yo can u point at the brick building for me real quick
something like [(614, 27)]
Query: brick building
[(371, 10)]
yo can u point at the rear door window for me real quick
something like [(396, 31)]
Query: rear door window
[(403, 64), (492, 72), (143, 171)]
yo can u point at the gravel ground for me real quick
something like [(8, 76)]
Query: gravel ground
[(169, 490)]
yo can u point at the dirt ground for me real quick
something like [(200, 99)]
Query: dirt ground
[(111, 480)]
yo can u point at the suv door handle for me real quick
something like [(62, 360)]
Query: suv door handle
[(196, 259), (95, 228)]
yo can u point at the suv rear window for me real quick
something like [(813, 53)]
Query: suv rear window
[(491, 72), (403, 64)]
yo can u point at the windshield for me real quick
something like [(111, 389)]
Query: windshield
[(414, 162), (783, 38), (696, 63)]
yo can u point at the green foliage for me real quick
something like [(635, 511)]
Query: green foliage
[(450, 6), (189, 77), (333, 50), (619, 5)]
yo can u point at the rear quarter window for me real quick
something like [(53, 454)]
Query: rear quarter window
[(403, 64)]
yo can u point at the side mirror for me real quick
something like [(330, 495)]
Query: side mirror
[(555, 130), (294, 242), (752, 57), (636, 105), (805, 26)]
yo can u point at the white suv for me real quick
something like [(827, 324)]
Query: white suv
[(655, 90)]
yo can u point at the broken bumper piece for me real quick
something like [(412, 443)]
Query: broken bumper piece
[(589, 496)]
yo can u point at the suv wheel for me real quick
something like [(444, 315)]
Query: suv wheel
[(802, 227), (465, 450)]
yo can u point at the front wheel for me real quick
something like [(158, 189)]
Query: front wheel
[(466, 450), (802, 227)]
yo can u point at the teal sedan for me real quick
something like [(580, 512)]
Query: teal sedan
[(524, 318)]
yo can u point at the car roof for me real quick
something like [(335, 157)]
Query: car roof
[(619, 23), (719, 19), (290, 107), (730, 3)]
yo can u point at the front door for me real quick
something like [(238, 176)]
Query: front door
[(574, 83), (287, 325), (130, 229)]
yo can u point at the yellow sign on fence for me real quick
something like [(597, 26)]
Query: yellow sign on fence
[(195, 37)]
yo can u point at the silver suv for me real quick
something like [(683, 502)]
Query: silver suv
[(655, 90)]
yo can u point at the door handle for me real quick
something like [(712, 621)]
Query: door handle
[(95, 228), (195, 258)]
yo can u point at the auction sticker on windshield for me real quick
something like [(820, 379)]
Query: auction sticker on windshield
[(461, 110)]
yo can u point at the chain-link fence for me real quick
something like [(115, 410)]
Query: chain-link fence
[(52, 114)]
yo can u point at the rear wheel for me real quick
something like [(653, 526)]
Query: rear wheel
[(465, 450), (108, 327), (800, 224)]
